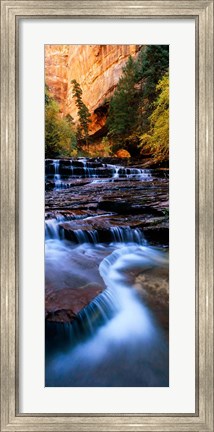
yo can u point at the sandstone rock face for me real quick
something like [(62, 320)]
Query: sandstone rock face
[(97, 205), (152, 286), (64, 305), (119, 202), (97, 68), (56, 72)]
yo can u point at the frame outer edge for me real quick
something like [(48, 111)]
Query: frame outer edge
[(4, 217), (13, 208), (206, 219), (202, 212), (11, 422), (210, 217)]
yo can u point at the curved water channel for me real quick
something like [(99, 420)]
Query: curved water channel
[(116, 339)]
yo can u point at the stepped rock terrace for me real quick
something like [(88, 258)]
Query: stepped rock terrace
[(107, 233)]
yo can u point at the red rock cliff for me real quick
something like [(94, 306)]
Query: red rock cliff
[(97, 68)]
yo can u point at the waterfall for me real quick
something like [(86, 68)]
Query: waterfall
[(114, 340), (94, 337), (90, 172), (127, 235), (52, 228), (114, 267), (57, 176), (97, 313), (81, 236), (56, 169), (107, 235), (129, 173), (116, 173), (82, 168), (118, 297), (71, 168)]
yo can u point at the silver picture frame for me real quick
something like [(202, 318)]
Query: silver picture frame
[(11, 14)]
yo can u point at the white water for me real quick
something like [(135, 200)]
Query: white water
[(96, 173), (52, 230), (116, 234), (129, 348), (116, 340), (130, 173), (116, 175), (57, 177)]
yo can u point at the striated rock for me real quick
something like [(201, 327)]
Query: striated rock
[(49, 185), (56, 72), (125, 207), (97, 68), (101, 210), (119, 202), (61, 310), (64, 305), (152, 286), (157, 234), (106, 230)]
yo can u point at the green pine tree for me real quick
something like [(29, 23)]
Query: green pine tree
[(151, 65), (132, 103), (83, 113), (122, 108)]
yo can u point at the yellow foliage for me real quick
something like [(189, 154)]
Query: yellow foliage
[(101, 149), (74, 153), (60, 138), (157, 138)]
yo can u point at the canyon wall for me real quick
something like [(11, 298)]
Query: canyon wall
[(97, 68)]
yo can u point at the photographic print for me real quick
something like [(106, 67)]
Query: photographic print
[(106, 215)]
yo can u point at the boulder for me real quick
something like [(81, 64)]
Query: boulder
[(124, 207), (152, 286), (64, 305)]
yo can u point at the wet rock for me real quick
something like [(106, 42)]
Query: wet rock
[(102, 212), (49, 185), (107, 229), (64, 162), (94, 164), (125, 203), (61, 310), (101, 235), (123, 207), (64, 305), (49, 168), (152, 286), (157, 234)]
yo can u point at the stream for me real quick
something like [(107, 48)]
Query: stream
[(105, 243)]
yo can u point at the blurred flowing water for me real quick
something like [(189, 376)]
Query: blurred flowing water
[(115, 340)]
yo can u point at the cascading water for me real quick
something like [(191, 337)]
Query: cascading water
[(130, 173), (116, 175), (109, 235), (57, 176), (127, 235), (100, 172), (115, 339), (56, 168), (52, 228)]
